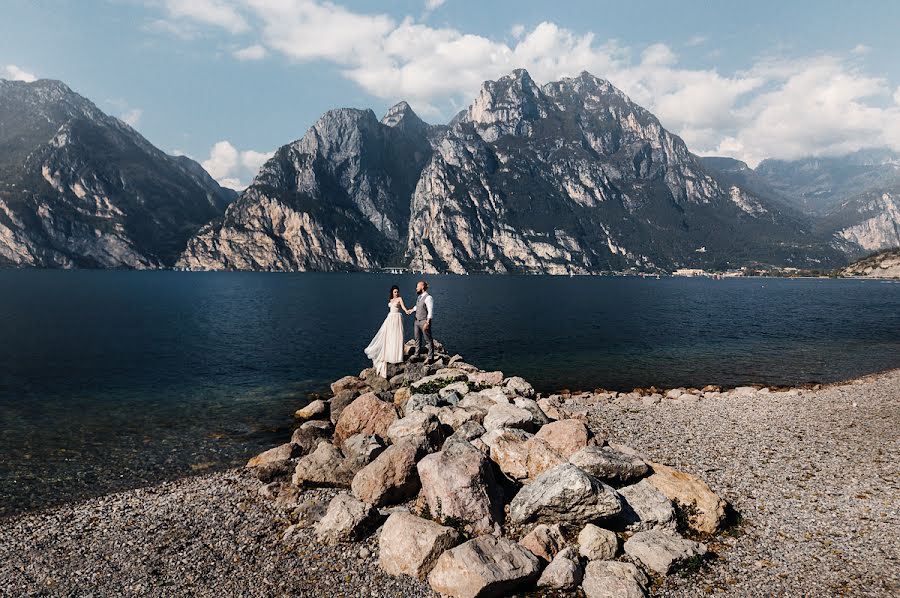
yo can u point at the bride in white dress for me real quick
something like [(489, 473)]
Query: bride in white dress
[(387, 346)]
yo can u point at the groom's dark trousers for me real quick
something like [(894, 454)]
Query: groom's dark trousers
[(420, 331)]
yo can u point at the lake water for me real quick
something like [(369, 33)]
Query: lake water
[(110, 380)]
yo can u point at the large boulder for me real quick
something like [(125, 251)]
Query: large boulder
[(410, 545), (608, 464), (597, 544), (323, 467), (544, 541), (644, 507), (419, 401), (308, 437), (509, 450), (339, 402), (705, 509), (347, 383), (507, 415), (563, 573), (564, 494), (486, 378), (360, 449), (613, 579), (460, 389), (365, 415), (538, 417), (346, 520), (662, 550), (283, 452), (317, 409), (483, 567), (458, 483), (391, 478), (554, 443), (423, 429), (455, 417), (274, 470), (520, 386), (440, 380)]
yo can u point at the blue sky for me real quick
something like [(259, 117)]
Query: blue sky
[(228, 81)]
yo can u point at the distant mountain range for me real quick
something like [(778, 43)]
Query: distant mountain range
[(80, 189), (568, 177)]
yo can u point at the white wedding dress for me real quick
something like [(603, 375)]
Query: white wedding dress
[(387, 346)]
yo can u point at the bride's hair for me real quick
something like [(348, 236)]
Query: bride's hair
[(394, 288)]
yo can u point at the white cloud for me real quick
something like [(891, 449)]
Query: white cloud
[(860, 50), (775, 108), (897, 95), (433, 4), (254, 52), (14, 73), (132, 116), (233, 168), (696, 40)]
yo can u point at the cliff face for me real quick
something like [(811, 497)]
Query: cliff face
[(79, 188), (867, 222), (336, 199), (880, 265), (568, 177)]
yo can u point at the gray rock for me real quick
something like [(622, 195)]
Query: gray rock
[(496, 395), (661, 550), (486, 378), (339, 402), (544, 541), (443, 377), (644, 507), (520, 386), (608, 464), (563, 573), (455, 417), (538, 417), (423, 429), (274, 470), (417, 401), (461, 389), (458, 482), (391, 478), (469, 431), (613, 579), (361, 449), (410, 545), (283, 452), (323, 467), (564, 494), (347, 519), (507, 416), (485, 566), (309, 437), (317, 409), (509, 450), (346, 383), (597, 544)]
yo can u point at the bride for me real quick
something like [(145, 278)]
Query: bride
[(387, 346)]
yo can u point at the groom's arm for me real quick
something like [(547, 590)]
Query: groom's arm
[(429, 303)]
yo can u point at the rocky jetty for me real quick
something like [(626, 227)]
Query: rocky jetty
[(476, 484)]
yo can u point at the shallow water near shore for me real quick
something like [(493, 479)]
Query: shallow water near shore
[(110, 380)]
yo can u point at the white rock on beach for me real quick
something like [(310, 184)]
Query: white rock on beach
[(564, 494), (346, 519), (391, 478), (597, 544), (509, 450), (661, 550), (410, 545), (613, 579), (423, 429), (606, 463), (520, 386), (563, 573), (507, 415), (289, 450), (645, 507), (544, 541), (485, 566), (693, 493)]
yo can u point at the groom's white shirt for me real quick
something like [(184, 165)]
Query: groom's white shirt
[(429, 303)]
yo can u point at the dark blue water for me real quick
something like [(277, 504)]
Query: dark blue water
[(114, 379)]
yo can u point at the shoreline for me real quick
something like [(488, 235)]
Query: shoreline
[(201, 472), (778, 457)]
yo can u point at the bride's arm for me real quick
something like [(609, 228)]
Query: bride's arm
[(403, 305)]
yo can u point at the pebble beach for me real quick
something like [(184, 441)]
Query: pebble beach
[(813, 474)]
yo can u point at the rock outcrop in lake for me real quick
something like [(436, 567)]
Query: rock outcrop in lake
[(79, 188), (568, 177), (446, 511)]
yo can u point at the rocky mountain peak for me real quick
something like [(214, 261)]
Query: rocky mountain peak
[(507, 106), (401, 116)]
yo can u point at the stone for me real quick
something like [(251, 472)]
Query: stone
[(309, 437), (662, 550), (283, 452), (323, 426), (597, 544), (317, 409), (274, 470), (288, 498), (391, 478), (378, 384), (563, 573), (609, 464), (613, 579), (507, 416), (566, 437), (455, 417), (339, 402), (644, 507), (540, 458), (439, 380), (360, 449), (538, 417), (550, 406), (564, 494), (401, 396), (486, 378), (346, 520), (450, 398), (482, 567), (423, 429), (544, 541), (410, 545), (346, 383), (469, 431), (520, 386), (417, 402), (476, 401), (509, 450), (458, 483), (455, 374), (460, 388), (496, 395), (322, 467), (693, 493), (365, 415)]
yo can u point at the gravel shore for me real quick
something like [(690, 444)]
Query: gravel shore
[(814, 476)]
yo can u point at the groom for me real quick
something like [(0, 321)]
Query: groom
[(424, 310)]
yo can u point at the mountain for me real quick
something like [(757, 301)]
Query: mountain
[(885, 264), (79, 188), (819, 185), (567, 177), (866, 222)]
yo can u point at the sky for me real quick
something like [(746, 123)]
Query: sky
[(229, 81)]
